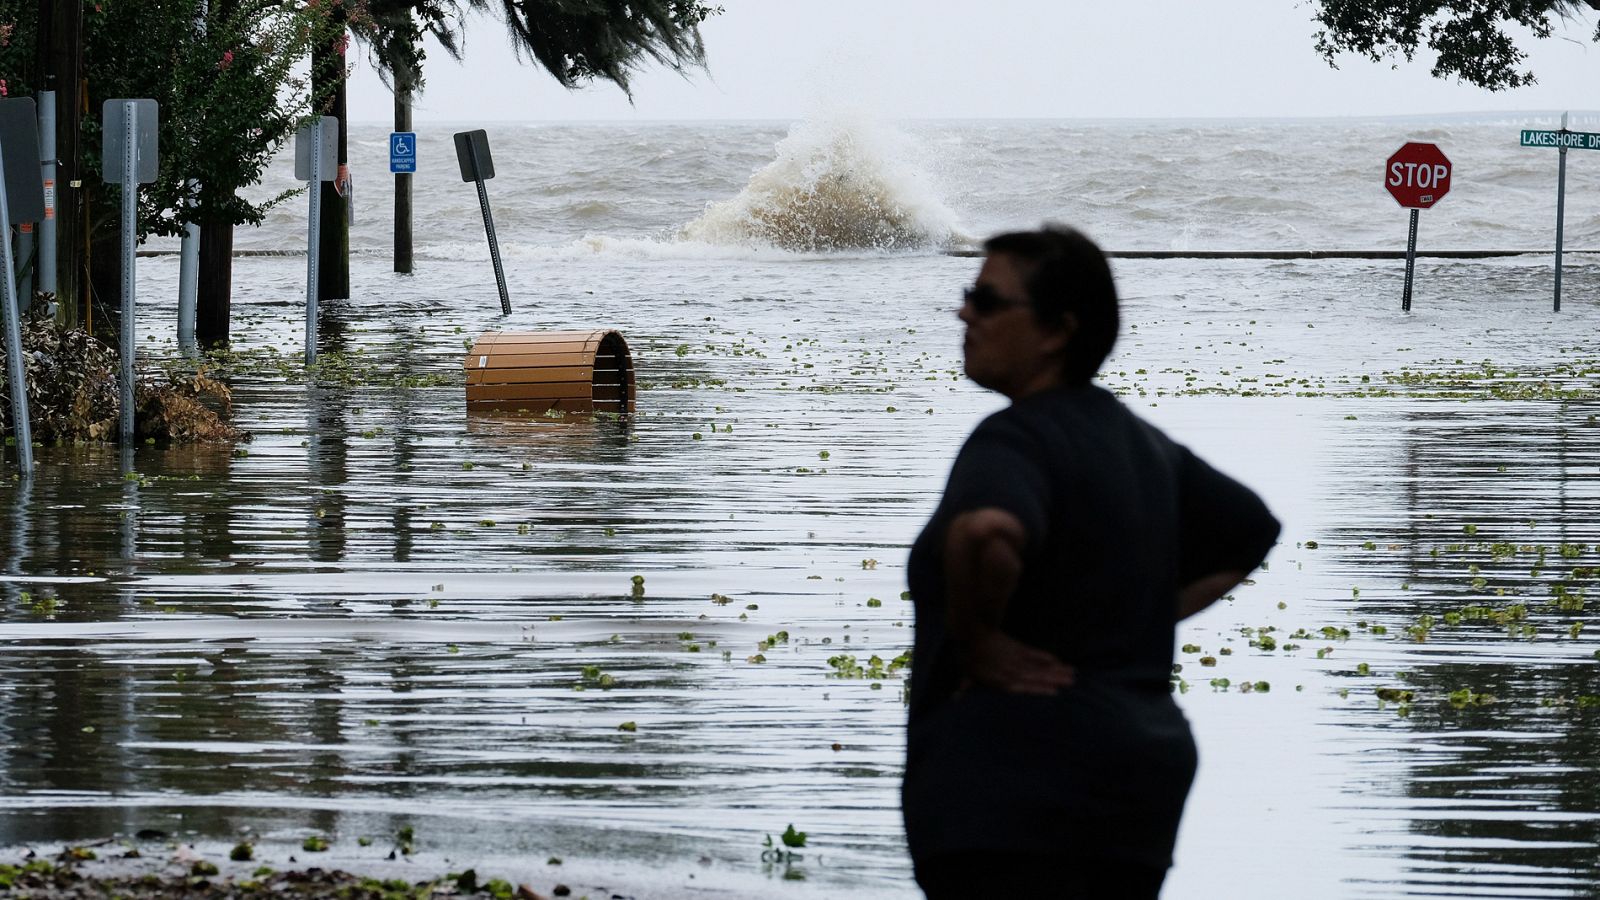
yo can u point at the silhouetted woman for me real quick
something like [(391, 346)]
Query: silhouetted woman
[(1045, 754)]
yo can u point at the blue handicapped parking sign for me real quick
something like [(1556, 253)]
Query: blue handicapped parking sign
[(402, 151)]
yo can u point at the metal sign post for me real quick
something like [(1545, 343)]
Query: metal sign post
[(1561, 214), (472, 152), (1417, 176), (16, 375), (21, 200), (129, 155), (1411, 261), (316, 159), (1563, 140)]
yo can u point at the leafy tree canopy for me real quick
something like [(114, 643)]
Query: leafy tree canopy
[(575, 41), (227, 87), (1472, 39)]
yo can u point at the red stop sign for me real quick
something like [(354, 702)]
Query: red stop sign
[(1417, 175)]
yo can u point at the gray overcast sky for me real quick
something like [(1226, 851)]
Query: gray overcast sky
[(911, 59)]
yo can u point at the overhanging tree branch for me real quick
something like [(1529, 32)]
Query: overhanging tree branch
[(1471, 39)]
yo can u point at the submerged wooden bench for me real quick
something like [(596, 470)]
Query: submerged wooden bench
[(537, 372)]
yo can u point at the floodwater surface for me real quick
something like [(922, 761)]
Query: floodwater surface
[(382, 613)]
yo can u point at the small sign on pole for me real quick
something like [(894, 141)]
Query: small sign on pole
[(21, 200), (129, 153), (472, 152), (1417, 176), (403, 152), (316, 159), (1563, 140)]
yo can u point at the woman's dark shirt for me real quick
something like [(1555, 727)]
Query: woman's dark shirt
[(1118, 517)]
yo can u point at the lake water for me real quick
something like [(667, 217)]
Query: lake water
[(382, 612)]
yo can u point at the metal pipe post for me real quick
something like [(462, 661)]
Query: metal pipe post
[(1561, 204), (188, 282), (16, 374), (1411, 261), (130, 225), (47, 228), (313, 238), (189, 252)]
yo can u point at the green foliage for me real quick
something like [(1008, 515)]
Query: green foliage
[(1471, 38), (228, 93)]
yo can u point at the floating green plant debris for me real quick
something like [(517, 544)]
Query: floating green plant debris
[(628, 727), (242, 852), (1465, 697), (316, 843), (845, 666)]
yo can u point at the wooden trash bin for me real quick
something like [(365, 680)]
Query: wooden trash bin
[(537, 372)]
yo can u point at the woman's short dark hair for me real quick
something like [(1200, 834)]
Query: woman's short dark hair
[(1067, 273)]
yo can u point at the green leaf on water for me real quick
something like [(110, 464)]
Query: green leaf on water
[(792, 838)]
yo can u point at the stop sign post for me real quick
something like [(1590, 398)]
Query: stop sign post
[(1417, 176)]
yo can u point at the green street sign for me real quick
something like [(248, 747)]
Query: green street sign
[(1570, 140)]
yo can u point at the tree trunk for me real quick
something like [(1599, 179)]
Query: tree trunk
[(333, 244), (214, 286), (105, 276)]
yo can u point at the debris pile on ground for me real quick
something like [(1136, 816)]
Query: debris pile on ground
[(73, 395), (74, 875)]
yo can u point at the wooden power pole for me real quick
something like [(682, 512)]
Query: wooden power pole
[(402, 181), (60, 63)]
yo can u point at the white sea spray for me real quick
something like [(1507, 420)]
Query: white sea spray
[(842, 183)]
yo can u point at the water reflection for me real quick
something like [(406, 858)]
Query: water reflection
[(1498, 506), (382, 605)]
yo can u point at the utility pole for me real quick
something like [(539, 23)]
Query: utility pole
[(402, 180), (61, 64)]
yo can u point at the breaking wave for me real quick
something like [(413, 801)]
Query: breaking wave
[(836, 185)]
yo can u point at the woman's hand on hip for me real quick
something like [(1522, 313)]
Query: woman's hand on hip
[(997, 660)]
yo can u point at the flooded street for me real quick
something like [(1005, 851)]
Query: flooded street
[(383, 613), (643, 646)]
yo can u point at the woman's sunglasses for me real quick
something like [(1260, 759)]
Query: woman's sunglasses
[(985, 301)]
